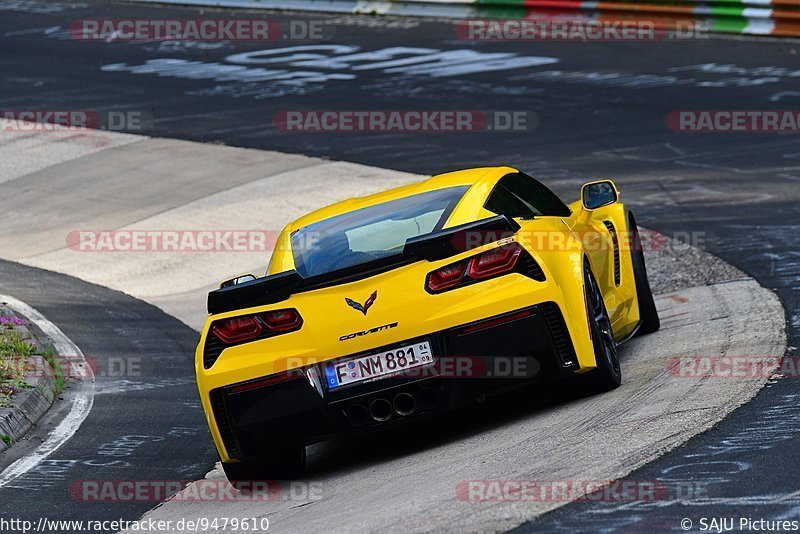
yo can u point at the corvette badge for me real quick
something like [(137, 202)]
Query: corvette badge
[(365, 307)]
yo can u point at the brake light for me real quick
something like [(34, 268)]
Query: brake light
[(494, 262), (274, 379), (280, 321), (488, 264), (497, 321), (447, 277), (249, 327), (236, 329)]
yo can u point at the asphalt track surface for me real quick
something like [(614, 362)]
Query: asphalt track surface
[(740, 190), (163, 437)]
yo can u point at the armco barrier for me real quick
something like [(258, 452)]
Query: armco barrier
[(752, 17)]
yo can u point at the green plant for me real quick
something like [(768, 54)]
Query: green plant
[(49, 354), (14, 354), (6, 439)]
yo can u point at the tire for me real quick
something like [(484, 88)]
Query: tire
[(286, 465), (648, 314), (608, 373)]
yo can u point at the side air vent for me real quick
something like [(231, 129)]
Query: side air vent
[(615, 242), (223, 424), (528, 266), (211, 350), (558, 329)]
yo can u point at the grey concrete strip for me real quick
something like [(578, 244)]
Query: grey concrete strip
[(413, 487), (122, 185), (45, 149)]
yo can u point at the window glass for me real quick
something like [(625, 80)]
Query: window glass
[(519, 195), (369, 234)]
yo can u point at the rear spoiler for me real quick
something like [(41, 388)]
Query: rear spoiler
[(446, 243), (265, 290), (431, 247)]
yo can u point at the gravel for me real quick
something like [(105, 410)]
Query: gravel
[(673, 265)]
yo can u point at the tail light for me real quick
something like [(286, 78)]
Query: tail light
[(249, 327), (236, 329), (447, 277), (491, 263), (280, 321)]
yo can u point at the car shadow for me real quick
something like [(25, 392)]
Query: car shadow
[(340, 455)]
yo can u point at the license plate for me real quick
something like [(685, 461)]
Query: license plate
[(380, 365)]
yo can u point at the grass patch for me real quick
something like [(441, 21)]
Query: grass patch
[(49, 354), (14, 366), (14, 354)]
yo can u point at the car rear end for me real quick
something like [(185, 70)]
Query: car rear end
[(386, 342)]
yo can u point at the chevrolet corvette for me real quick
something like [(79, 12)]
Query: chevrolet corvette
[(403, 305)]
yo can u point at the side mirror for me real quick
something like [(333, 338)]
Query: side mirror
[(598, 194), (241, 279)]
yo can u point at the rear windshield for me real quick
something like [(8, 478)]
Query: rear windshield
[(371, 234)]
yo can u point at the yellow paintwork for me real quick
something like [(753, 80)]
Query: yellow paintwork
[(403, 299)]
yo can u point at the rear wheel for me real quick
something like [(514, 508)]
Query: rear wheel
[(648, 314), (608, 374), (284, 465)]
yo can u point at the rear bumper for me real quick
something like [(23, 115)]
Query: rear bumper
[(496, 354)]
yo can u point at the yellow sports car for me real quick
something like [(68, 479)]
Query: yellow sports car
[(382, 310)]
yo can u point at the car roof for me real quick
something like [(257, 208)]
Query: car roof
[(466, 177)]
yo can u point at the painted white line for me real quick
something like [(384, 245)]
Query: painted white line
[(778, 96), (81, 402)]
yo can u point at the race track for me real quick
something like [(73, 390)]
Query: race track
[(600, 110), (144, 424)]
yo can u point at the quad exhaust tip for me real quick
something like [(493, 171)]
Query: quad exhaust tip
[(380, 410), (404, 404), (357, 415)]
